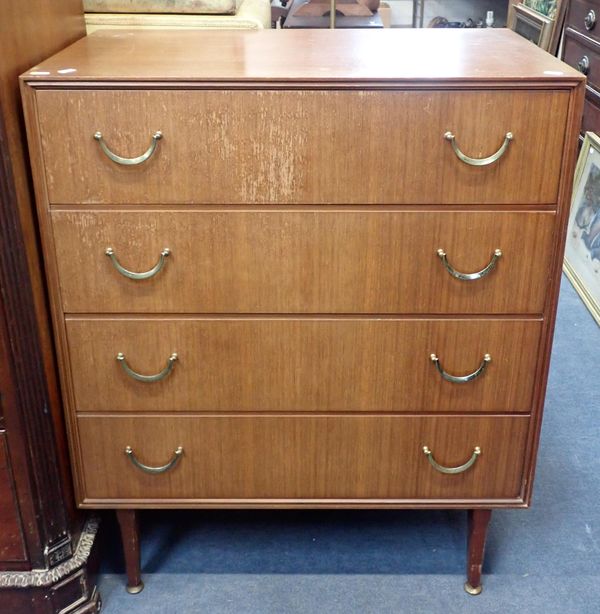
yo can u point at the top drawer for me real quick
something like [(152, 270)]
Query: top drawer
[(295, 147), (584, 55), (584, 16)]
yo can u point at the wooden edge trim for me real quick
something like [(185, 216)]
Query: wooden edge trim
[(366, 317), (299, 84), (301, 503), (503, 208), (447, 415)]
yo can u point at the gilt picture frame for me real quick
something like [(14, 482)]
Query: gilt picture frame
[(582, 249)]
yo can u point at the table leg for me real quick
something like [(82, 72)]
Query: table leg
[(478, 525), (130, 537)]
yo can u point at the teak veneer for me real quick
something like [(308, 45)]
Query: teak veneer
[(372, 364), (309, 261), (303, 292), (224, 149)]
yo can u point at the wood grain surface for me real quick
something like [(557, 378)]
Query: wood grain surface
[(318, 261), (362, 457), (313, 364), (319, 147), (304, 56)]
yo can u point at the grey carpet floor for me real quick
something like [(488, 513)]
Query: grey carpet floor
[(543, 560)]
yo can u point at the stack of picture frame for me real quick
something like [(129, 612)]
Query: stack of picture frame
[(539, 21)]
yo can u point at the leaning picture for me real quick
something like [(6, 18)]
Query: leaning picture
[(582, 252)]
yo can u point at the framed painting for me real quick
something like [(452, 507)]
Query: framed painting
[(582, 250), (549, 8)]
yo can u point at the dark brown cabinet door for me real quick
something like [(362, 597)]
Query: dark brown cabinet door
[(12, 544)]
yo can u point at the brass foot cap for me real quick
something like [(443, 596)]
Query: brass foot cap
[(134, 590), (473, 590)]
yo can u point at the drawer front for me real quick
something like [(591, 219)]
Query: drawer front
[(319, 147), (584, 56), (303, 262), (584, 16), (290, 364), (291, 457)]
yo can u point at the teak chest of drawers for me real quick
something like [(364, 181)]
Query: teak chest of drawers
[(303, 269)]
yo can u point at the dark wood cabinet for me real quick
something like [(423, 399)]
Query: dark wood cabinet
[(45, 543), (12, 542), (581, 49)]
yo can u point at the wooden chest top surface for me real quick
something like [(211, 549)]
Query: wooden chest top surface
[(426, 56)]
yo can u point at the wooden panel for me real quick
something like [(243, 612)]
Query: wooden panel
[(302, 457), (279, 147), (417, 56), (303, 262), (12, 545), (253, 364)]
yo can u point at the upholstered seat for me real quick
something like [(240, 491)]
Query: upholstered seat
[(249, 15)]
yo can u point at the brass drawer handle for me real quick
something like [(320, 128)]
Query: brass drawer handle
[(469, 276), (584, 65), (176, 456), (110, 252), (452, 470), (590, 20), (147, 378), (129, 161), (461, 379), (479, 161)]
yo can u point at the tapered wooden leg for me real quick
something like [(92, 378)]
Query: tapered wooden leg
[(130, 537), (478, 525)]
